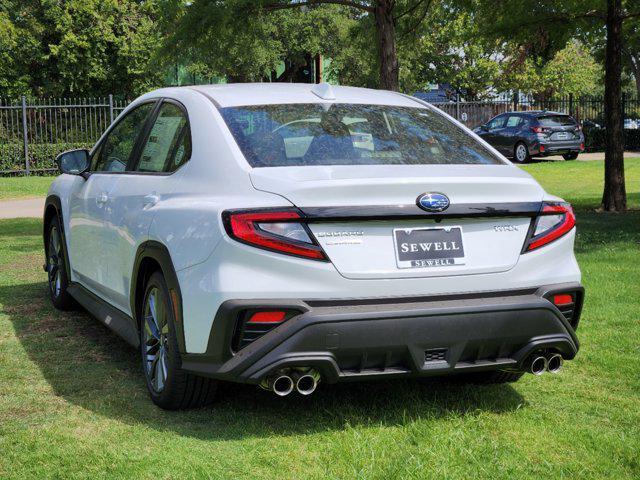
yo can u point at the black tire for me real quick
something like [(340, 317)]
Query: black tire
[(521, 152), (495, 376), (57, 275), (570, 156), (169, 387)]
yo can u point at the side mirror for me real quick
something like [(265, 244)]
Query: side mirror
[(73, 162), (484, 128)]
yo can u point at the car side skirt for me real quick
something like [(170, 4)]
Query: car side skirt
[(118, 321)]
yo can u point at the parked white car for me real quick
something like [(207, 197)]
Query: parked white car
[(282, 235)]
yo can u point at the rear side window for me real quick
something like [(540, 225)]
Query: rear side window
[(556, 121), (168, 145), (348, 134)]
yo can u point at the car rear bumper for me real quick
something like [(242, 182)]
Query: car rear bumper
[(363, 339), (543, 149)]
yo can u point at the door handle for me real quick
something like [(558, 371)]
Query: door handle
[(151, 200), (102, 198)]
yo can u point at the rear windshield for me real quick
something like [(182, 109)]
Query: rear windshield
[(556, 121), (348, 134)]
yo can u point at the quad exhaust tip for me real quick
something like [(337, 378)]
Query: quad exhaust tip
[(554, 364), (538, 365), (307, 383), (283, 382), (282, 385)]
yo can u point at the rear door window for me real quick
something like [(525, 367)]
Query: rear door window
[(514, 121)]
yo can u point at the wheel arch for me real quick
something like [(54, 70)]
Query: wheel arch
[(153, 256), (53, 209)]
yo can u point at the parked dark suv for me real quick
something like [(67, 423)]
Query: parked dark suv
[(535, 133)]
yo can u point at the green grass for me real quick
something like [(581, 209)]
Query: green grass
[(24, 187), (73, 402)]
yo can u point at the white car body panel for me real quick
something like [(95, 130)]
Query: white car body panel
[(186, 218)]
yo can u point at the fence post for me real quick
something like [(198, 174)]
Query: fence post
[(25, 138), (111, 108), (458, 106)]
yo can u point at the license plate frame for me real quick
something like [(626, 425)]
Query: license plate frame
[(428, 256)]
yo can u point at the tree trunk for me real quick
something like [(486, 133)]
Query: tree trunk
[(614, 198), (386, 37)]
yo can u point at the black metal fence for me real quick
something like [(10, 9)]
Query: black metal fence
[(589, 110), (34, 131)]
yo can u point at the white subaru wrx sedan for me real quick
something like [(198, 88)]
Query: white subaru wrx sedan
[(284, 235)]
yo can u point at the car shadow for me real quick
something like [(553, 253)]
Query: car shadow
[(89, 366)]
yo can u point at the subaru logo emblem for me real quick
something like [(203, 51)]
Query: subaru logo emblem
[(433, 202)]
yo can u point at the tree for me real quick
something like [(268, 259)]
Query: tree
[(77, 47), (546, 25), (631, 51), (225, 15), (448, 49), (571, 71), (236, 40)]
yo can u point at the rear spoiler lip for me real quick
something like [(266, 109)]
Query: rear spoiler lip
[(412, 211)]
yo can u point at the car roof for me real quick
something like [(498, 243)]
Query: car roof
[(537, 113), (243, 94)]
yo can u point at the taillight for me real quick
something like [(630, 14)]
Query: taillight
[(554, 220), (282, 231), (540, 130)]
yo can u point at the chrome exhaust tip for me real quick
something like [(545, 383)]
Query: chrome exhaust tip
[(554, 364), (307, 383), (538, 365), (282, 385)]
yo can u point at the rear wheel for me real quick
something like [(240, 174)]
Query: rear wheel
[(521, 153), (570, 156), (169, 387), (57, 275)]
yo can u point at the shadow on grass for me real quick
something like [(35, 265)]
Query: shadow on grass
[(91, 367), (596, 231)]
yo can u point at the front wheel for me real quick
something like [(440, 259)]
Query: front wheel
[(570, 156), (169, 387), (521, 153)]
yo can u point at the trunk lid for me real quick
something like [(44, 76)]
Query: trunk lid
[(363, 248)]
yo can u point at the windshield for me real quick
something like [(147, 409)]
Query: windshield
[(349, 134)]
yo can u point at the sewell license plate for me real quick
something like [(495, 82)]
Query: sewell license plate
[(428, 247)]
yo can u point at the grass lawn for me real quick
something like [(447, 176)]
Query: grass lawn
[(24, 187), (73, 402)]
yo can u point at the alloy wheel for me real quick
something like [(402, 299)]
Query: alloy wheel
[(54, 262), (156, 339), (521, 153)]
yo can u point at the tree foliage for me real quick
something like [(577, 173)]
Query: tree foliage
[(75, 47)]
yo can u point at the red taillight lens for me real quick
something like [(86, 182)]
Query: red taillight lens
[(562, 299), (260, 229), (267, 317), (540, 130), (554, 220)]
